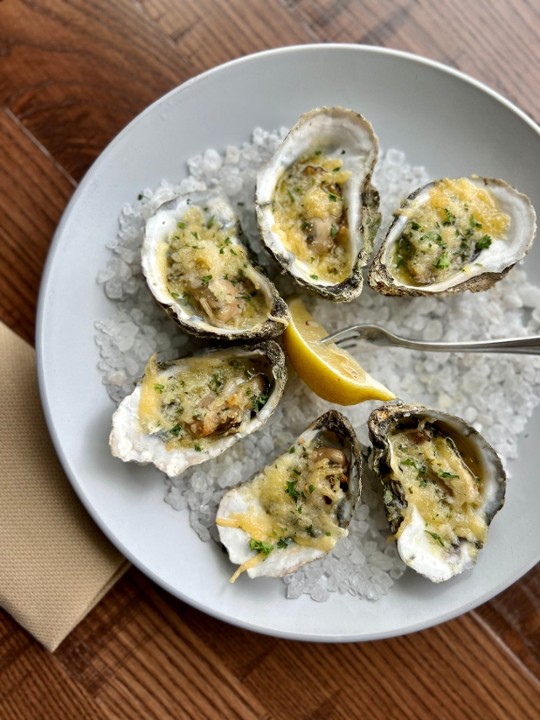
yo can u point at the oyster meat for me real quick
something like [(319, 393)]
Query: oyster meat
[(199, 269), (442, 482), (190, 410), (452, 235), (316, 207), (298, 507)]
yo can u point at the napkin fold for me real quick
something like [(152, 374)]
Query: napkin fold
[(55, 564)]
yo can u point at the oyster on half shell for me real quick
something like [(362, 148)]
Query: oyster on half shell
[(453, 235), (190, 410), (316, 207), (298, 507), (442, 482), (199, 269)]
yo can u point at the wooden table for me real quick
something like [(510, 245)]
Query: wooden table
[(72, 74)]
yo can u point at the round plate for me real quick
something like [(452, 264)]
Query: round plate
[(441, 119)]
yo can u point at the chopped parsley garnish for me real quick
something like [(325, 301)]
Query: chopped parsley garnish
[(259, 401), (311, 488), (436, 537), (181, 225), (176, 430), (447, 475), (216, 383), (159, 387), (195, 234), (333, 231), (409, 461), (443, 262), (261, 546), (291, 490), (282, 543), (206, 279), (483, 243), (449, 218), (292, 449), (314, 277), (210, 222), (197, 447)]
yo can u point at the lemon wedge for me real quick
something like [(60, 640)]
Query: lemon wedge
[(332, 373)]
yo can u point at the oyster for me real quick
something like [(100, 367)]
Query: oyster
[(316, 208), (443, 484), (198, 268), (453, 235), (190, 410), (297, 508)]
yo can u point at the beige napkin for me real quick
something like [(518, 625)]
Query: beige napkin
[(55, 564)]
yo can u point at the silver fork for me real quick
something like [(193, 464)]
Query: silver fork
[(377, 335)]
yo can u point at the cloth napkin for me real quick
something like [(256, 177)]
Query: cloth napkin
[(55, 564)]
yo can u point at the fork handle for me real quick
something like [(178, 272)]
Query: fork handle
[(524, 346)]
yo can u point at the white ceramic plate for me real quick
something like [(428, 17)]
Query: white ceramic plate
[(441, 119)]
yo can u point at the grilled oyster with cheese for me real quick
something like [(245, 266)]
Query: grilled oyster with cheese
[(453, 235), (297, 508), (316, 207), (199, 269), (443, 484), (190, 410)]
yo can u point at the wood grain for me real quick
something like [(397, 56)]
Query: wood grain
[(72, 74), (29, 218)]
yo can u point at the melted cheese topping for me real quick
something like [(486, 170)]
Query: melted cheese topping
[(452, 228), (439, 483), (211, 396), (311, 219), (295, 500), (209, 271)]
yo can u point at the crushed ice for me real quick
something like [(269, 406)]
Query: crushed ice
[(497, 394)]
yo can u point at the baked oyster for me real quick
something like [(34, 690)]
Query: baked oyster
[(298, 507), (442, 482), (189, 410), (198, 268), (316, 208), (453, 235)]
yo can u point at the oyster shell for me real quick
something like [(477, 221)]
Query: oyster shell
[(443, 484), (316, 208), (198, 268), (453, 235), (192, 409), (297, 508)]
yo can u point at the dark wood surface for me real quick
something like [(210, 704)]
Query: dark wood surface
[(72, 74)]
